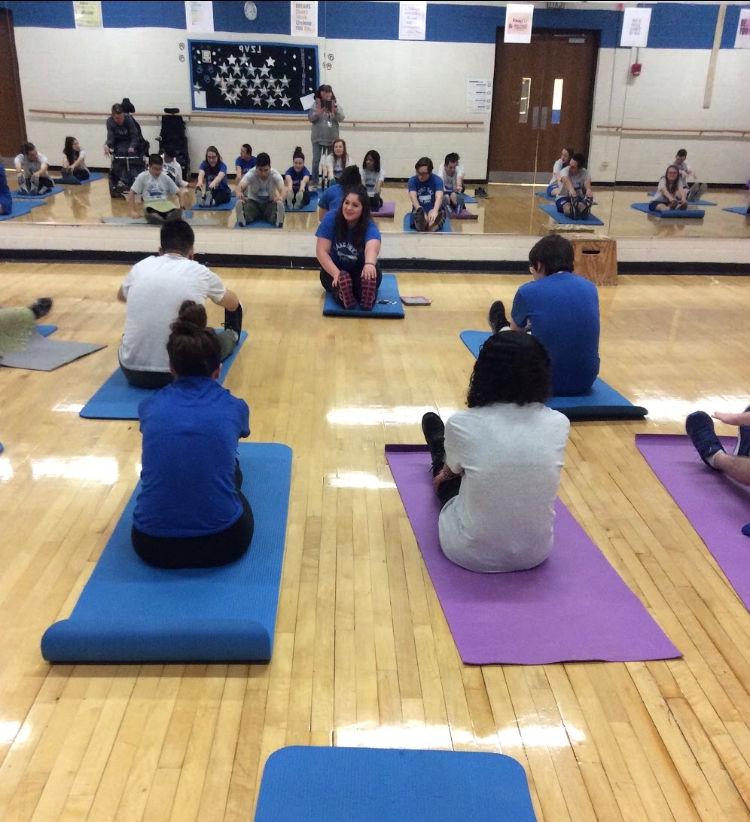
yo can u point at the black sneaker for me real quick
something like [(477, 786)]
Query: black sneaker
[(434, 434), (420, 219), (742, 449), (41, 307), (700, 429), (440, 219), (233, 320), (497, 318)]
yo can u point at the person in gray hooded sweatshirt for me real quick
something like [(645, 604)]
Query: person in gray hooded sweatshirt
[(325, 116)]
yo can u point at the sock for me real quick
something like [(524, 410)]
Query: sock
[(710, 460)]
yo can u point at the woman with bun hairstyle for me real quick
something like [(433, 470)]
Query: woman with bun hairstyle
[(296, 179), (190, 511)]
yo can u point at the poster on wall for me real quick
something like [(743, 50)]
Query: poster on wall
[(518, 20), (412, 21), (257, 78), (479, 96), (635, 25), (88, 14), (742, 40), (305, 19), (199, 16)]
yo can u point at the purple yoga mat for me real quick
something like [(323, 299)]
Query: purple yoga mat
[(716, 506), (388, 209), (463, 215), (573, 607)]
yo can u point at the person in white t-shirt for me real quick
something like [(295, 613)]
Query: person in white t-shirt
[(153, 292), (451, 172), (554, 189), (32, 167), (688, 177), (261, 194), (74, 162), (496, 465), (154, 187), (373, 177), (576, 196), (172, 168)]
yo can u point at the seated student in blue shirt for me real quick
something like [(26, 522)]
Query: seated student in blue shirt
[(426, 195), (347, 249), (6, 201), (212, 188), (333, 196), (562, 311), (244, 162), (296, 179), (190, 511)]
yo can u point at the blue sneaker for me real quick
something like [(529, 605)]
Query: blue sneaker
[(742, 449), (700, 429)]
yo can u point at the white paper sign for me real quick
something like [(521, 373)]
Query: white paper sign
[(199, 16), (635, 23), (307, 101), (305, 19), (88, 13), (412, 21), (742, 40), (518, 19), (199, 99), (479, 96)]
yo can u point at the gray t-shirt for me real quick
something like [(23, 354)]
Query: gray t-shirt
[(261, 190), (661, 189), (450, 181), (578, 179), (154, 290), (686, 171), (154, 188), (511, 457), (30, 167), (370, 180)]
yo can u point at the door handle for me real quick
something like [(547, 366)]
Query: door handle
[(535, 118), (543, 124)]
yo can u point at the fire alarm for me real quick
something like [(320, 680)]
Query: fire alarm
[(635, 69)]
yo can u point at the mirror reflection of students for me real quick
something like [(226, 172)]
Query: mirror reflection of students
[(426, 195)]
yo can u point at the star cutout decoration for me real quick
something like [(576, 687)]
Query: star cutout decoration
[(244, 60), (231, 60), (284, 81), (223, 68), (258, 100), (218, 80), (244, 82), (257, 81), (285, 100), (270, 62), (265, 70)]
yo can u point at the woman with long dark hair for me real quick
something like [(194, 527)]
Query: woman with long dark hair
[(212, 188), (191, 512), (669, 193), (74, 161), (496, 466), (347, 248)]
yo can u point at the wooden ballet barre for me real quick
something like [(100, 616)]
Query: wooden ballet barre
[(287, 118), (699, 131)]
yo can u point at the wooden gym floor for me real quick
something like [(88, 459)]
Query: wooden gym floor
[(363, 655), (511, 209)]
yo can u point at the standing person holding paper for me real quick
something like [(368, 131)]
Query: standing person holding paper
[(325, 116)]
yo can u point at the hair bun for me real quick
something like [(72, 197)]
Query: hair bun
[(192, 318)]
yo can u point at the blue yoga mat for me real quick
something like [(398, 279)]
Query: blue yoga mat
[(738, 210), (117, 399), (310, 207), (561, 218), (468, 199), (93, 177), (131, 612), (16, 195), (446, 229), (21, 207), (602, 402), (690, 214), (46, 330), (382, 785), (545, 196), (692, 202), (259, 224), (387, 304), (223, 207)]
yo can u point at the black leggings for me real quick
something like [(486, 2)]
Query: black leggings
[(326, 280), (210, 551), (221, 196), (80, 174), (376, 202)]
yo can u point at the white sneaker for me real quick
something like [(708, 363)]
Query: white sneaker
[(280, 215), (290, 199), (239, 213)]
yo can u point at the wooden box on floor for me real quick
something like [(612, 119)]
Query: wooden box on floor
[(595, 258)]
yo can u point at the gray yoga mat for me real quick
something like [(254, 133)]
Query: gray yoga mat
[(42, 354)]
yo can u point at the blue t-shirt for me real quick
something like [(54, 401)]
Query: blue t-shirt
[(190, 432), (331, 198), (564, 314), (297, 176), (212, 172), (343, 253), (6, 201), (426, 190), (245, 165)]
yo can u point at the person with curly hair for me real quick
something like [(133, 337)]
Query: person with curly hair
[(496, 466), (190, 511)]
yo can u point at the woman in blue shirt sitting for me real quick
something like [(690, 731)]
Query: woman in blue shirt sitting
[(212, 188), (347, 249), (190, 511), (297, 178)]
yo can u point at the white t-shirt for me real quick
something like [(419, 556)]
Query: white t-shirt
[(556, 169), (510, 456), (28, 166), (154, 290), (450, 183), (154, 188), (81, 157), (173, 170), (687, 175), (578, 180), (261, 190), (370, 180)]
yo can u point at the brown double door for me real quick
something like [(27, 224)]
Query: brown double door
[(542, 101), (12, 125)]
